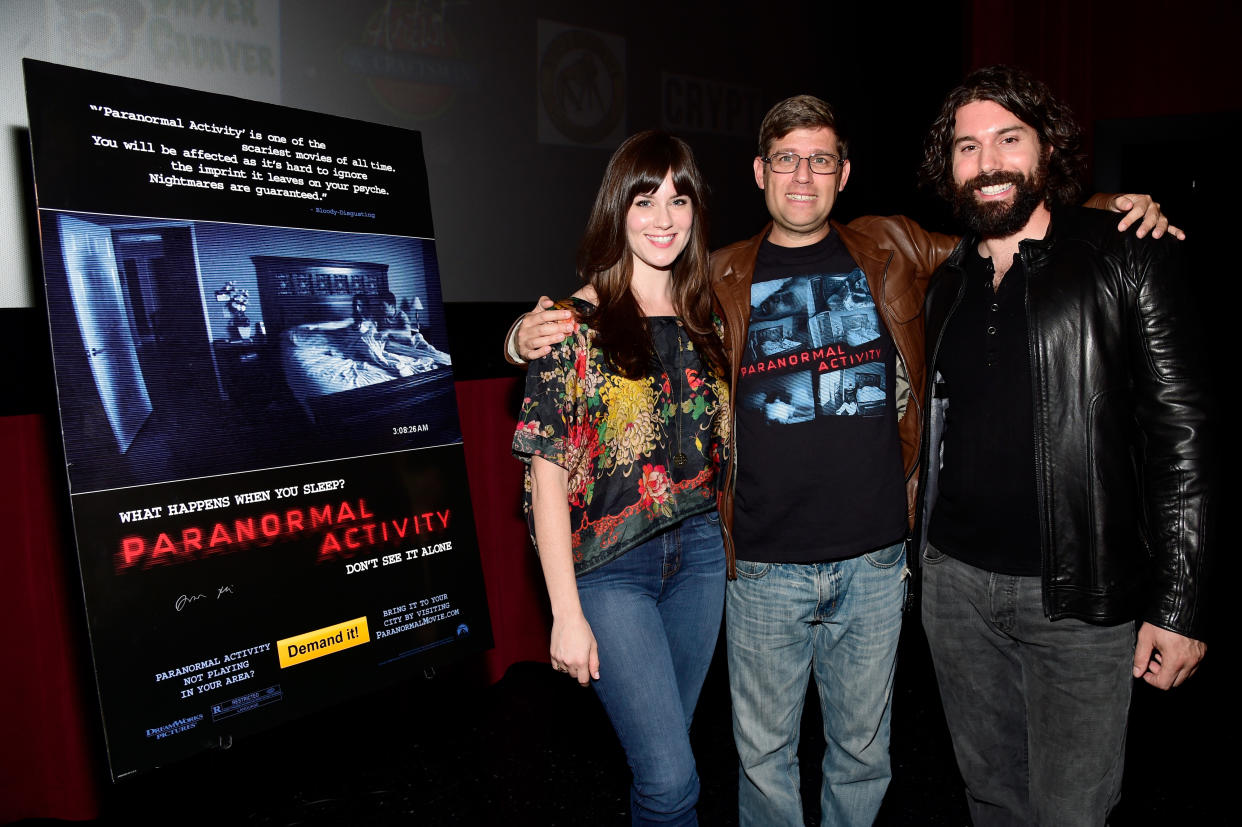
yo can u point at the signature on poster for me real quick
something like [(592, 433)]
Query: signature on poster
[(187, 599)]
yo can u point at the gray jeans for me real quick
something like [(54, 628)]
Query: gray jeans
[(1036, 708)]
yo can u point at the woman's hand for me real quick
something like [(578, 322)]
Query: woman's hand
[(573, 649)]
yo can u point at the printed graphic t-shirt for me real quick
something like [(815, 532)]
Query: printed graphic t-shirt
[(819, 459)]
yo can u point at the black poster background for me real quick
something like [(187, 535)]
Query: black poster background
[(225, 514)]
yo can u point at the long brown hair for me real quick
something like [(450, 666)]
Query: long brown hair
[(605, 262)]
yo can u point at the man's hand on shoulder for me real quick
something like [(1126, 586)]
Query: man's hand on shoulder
[(1166, 659), (1145, 210), (534, 333)]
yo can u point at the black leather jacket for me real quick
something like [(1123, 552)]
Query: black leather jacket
[(1123, 425)]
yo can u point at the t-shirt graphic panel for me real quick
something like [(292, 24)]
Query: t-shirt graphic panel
[(814, 349)]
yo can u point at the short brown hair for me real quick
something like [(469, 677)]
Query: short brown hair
[(1032, 102), (798, 112)]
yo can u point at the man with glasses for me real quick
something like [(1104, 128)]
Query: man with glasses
[(819, 513), (824, 329)]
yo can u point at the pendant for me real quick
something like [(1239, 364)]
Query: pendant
[(679, 459)]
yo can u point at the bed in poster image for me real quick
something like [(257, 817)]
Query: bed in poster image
[(190, 348)]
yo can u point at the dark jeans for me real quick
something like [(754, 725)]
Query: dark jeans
[(1037, 708), (655, 612)]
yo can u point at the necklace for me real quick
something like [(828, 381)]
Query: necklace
[(679, 458)]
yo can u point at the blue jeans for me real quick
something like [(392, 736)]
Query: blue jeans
[(655, 612), (1036, 707), (837, 622)]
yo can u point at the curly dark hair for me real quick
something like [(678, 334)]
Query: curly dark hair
[(1034, 104)]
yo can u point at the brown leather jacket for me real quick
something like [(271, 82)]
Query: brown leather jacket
[(898, 258)]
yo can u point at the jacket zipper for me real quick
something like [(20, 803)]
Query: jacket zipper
[(1040, 495)]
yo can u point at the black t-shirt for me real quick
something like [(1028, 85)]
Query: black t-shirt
[(986, 512), (819, 459)]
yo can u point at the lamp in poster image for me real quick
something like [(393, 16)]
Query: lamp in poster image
[(413, 309)]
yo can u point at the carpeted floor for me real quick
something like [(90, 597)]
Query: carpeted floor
[(536, 749)]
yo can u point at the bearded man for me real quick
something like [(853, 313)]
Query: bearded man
[(1067, 500)]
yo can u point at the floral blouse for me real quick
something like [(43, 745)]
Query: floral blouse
[(618, 438)]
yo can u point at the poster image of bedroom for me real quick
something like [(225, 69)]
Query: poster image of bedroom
[(191, 348)]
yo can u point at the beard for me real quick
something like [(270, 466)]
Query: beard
[(1001, 219)]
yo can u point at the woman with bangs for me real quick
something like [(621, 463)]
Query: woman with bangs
[(624, 426)]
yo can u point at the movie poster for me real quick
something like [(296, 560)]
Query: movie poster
[(265, 464)]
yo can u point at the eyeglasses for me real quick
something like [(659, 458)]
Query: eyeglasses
[(784, 162)]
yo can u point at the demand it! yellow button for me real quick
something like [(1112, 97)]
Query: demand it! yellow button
[(325, 641)]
